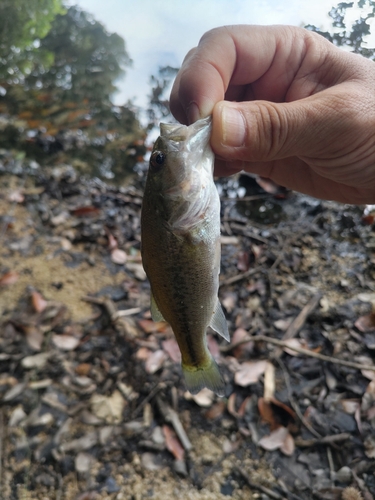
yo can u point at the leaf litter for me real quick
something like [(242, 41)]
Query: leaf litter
[(92, 402)]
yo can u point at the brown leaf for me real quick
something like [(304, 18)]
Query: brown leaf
[(118, 256), (243, 349), (172, 443), (34, 337), (215, 411), (243, 261), (366, 323), (170, 346), (232, 406), (143, 353), (38, 302), (267, 413), (112, 242), (278, 439), (16, 197), (149, 326), (250, 372), (83, 369), (229, 301), (288, 445), (213, 347), (155, 361), (9, 278)]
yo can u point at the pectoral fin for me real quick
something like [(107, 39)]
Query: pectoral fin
[(155, 313), (219, 323)]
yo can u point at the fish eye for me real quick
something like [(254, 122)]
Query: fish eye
[(157, 159)]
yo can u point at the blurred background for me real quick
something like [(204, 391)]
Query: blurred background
[(86, 82)]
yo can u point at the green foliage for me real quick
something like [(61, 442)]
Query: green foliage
[(350, 35), (87, 59), (63, 98), (22, 24)]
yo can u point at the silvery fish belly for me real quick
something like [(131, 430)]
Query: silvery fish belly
[(181, 246)]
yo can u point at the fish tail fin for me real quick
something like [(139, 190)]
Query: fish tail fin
[(207, 375)]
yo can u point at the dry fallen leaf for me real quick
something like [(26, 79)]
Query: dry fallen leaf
[(149, 326), (204, 397), (108, 408), (9, 278), (243, 349), (118, 256), (366, 323), (155, 361), (34, 337), (16, 197), (232, 406), (250, 372), (172, 443), (38, 302), (65, 342), (170, 346), (278, 439), (143, 353)]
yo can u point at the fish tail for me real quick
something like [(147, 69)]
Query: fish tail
[(207, 375)]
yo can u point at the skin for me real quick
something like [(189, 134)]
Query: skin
[(287, 105)]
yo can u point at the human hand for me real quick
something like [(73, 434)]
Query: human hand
[(287, 105)]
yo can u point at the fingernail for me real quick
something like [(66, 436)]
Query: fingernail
[(233, 126), (193, 113)]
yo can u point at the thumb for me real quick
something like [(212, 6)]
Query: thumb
[(260, 131)]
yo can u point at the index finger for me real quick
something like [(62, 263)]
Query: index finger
[(261, 61)]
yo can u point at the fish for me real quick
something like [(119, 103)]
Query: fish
[(180, 246)]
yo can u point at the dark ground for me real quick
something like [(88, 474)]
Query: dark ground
[(92, 403)]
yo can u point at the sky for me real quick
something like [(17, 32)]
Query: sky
[(161, 32)]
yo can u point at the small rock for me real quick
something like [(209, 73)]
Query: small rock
[(344, 475), (111, 485), (36, 361), (148, 461), (17, 416), (179, 466), (83, 462)]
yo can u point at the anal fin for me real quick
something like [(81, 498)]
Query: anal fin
[(219, 323), (155, 312)]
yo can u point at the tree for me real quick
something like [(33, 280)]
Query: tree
[(65, 99), (352, 36), (87, 60), (158, 106), (22, 24)]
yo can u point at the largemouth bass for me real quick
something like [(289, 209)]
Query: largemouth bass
[(181, 246)]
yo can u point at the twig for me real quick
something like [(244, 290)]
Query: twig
[(231, 347), (333, 439), (330, 462), (128, 312), (115, 316), (311, 354), (1, 449), (171, 417), (294, 403), (106, 303), (300, 320), (157, 387), (257, 486), (240, 277)]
